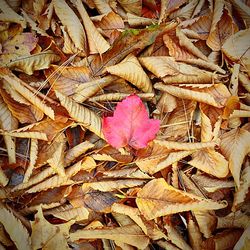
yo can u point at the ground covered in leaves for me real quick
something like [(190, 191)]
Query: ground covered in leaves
[(124, 124)]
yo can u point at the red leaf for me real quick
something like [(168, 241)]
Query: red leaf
[(130, 125)]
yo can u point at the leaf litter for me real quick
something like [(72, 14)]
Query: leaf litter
[(124, 124)]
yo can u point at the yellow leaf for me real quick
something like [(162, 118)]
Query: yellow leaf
[(88, 118), (95, 40), (14, 227), (130, 234), (235, 146), (131, 70), (70, 20), (157, 198), (211, 162)]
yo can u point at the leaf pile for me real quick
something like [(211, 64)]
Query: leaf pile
[(67, 69)]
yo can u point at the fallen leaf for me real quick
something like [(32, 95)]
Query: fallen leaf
[(130, 125)]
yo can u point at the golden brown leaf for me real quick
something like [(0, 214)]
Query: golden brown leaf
[(157, 198), (211, 162), (14, 227), (131, 70), (131, 234), (235, 146)]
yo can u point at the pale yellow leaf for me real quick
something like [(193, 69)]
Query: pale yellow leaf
[(172, 145), (167, 245), (167, 103), (131, 70), (157, 198), (88, 89), (70, 20), (17, 84), (3, 178), (241, 193), (88, 118), (33, 157), (97, 44), (106, 186), (29, 63), (31, 135), (9, 15), (211, 162), (235, 146), (130, 234), (14, 227), (76, 151), (4, 238), (215, 95), (43, 233)]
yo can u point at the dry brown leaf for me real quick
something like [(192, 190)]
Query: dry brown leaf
[(46, 235), (19, 86), (185, 12), (132, 6), (135, 20), (67, 79), (131, 234), (68, 212), (14, 227), (243, 9), (106, 186), (222, 28), (131, 70), (70, 20), (86, 117), (175, 237), (241, 193), (223, 240), (97, 44), (167, 103), (215, 95), (244, 241), (211, 162), (235, 146), (76, 151), (88, 89), (157, 198)]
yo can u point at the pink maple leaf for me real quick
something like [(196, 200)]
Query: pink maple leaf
[(130, 124)]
